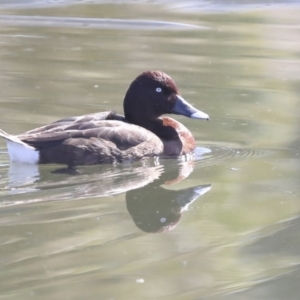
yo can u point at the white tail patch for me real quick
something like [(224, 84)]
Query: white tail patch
[(19, 151)]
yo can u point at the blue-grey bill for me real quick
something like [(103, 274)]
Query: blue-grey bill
[(200, 115), (182, 107)]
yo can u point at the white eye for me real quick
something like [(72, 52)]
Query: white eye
[(158, 90)]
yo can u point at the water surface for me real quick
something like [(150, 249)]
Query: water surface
[(224, 226)]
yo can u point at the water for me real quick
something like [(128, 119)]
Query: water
[(224, 226)]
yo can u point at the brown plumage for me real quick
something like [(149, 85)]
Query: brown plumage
[(107, 137)]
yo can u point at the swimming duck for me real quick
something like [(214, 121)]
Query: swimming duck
[(107, 137)]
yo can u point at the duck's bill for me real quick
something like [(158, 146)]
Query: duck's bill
[(182, 107), (187, 196)]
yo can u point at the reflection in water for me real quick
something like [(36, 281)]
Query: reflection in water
[(93, 181), (22, 175), (92, 23), (155, 209), (152, 207), (282, 240), (191, 5)]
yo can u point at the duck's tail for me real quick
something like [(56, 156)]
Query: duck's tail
[(18, 150), (12, 138), (4, 134)]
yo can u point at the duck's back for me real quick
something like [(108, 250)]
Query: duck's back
[(92, 139)]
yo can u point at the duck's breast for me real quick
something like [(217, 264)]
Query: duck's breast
[(181, 143)]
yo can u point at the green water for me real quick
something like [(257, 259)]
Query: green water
[(83, 236)]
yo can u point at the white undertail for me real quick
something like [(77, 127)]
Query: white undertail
[(19, 151)]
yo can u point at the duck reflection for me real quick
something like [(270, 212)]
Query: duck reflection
[(151, 204), (156, 209)]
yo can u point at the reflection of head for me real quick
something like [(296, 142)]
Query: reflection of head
[(157, 214), (154, 209)]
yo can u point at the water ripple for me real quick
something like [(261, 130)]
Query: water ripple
[(221, 154), (14, 20)]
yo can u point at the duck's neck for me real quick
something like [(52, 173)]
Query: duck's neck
[(155, 125), (177, 139)]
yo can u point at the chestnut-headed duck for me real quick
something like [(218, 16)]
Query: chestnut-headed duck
[(107, 137)]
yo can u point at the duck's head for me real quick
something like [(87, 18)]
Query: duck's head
[(154, 93)]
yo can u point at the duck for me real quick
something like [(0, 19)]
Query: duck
[(109, 137)]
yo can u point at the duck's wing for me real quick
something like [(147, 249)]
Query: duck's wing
[(70, 127), (62, 123), (99, 116), (123, 135), (91, 139), (83, 142)]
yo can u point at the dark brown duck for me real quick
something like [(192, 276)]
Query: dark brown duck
[(107, 137)]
